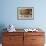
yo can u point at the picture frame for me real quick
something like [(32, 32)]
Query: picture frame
[(25, 13)]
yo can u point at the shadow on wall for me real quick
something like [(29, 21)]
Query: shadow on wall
[(2, 26)]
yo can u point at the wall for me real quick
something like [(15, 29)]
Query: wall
[(8, 13)]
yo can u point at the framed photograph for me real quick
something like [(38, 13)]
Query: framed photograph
[(25, 13)]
